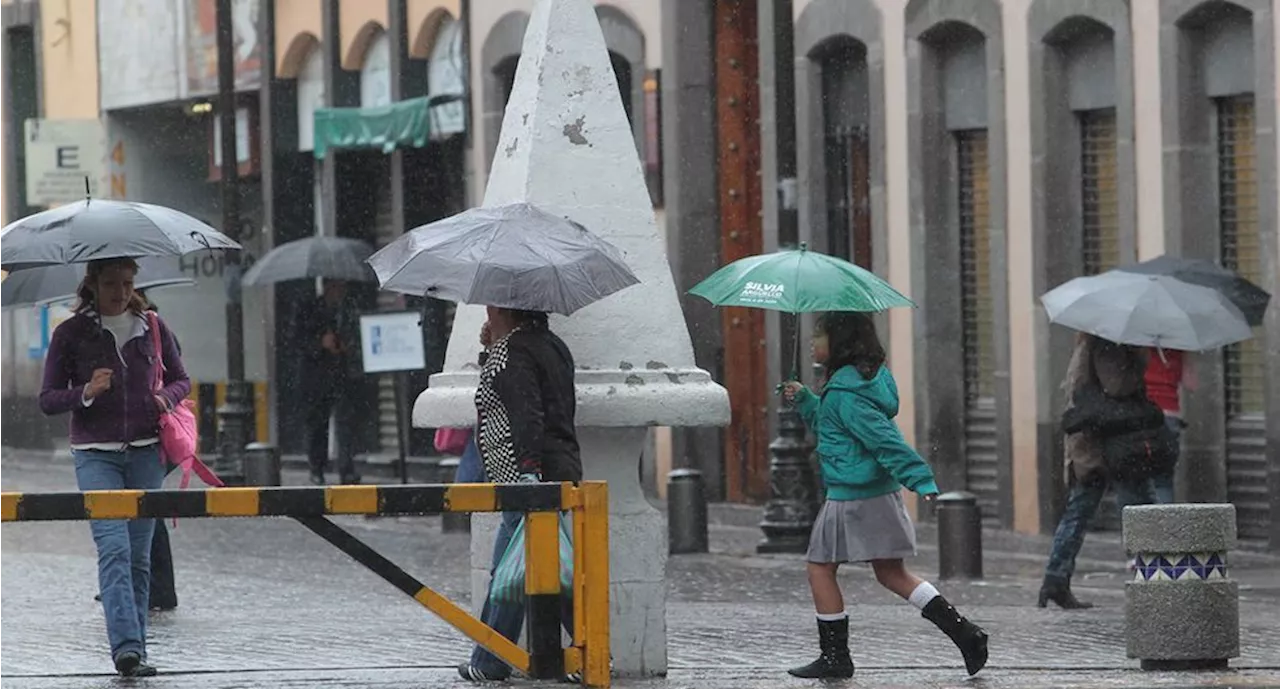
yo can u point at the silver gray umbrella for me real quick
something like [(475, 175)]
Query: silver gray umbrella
[(97, 229), (332, 258), (59, 283), (1148, 311), (516, 256)]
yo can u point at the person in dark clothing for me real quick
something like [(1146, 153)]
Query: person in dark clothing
[(330, 337), (526, 403)]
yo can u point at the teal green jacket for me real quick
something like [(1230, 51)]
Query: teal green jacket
[(862, 452)]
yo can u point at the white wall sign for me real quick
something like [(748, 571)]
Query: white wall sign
[(60, 154), (375, 75), (242, 137), (391, 342), (310, 97)]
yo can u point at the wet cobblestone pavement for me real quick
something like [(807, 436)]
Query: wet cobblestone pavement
[(264, 603)]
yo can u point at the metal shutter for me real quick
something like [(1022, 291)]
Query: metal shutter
[(384, 234), (1100, 228), (1100, 209), (1243, 363), (981, 457)]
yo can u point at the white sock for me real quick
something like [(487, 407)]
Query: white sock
[(924, 593), (835, 617)]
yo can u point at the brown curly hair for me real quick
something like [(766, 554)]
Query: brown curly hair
[(87, 294)]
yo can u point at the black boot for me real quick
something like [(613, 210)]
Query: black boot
[(1059, 591), (834, 663), (967, 636)]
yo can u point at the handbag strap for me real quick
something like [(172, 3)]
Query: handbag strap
[(158, 379)]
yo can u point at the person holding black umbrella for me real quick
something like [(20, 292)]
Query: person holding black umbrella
[(330, 337)]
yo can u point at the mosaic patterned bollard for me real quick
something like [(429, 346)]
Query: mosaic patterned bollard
[(1182, 611)]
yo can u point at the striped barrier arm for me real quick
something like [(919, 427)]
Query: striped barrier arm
[(290, 502)]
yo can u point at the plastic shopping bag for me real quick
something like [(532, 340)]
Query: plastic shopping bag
[(508, 578)]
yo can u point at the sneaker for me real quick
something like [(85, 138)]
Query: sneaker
[(573, 678), (471, 673)]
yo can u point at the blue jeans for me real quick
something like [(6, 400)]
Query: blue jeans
[(1082, 503), (124, 546), (505, 618), (1163, 483)]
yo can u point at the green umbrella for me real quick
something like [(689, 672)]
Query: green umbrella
[(799, 281)]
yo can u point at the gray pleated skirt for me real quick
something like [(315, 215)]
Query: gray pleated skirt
[(862, 530)]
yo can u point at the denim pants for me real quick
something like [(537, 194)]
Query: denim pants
[(470, 467), (505, 618), (124, 546), (1083, 500)]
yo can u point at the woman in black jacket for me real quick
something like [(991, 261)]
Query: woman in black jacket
[(526, 405)]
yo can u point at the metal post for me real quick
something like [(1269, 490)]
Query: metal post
[(788, 516), (959, 536), (235, 414), (686, 512), (794, 497), (261, 465)]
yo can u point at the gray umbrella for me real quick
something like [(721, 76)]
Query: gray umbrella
[(332, 258), (59, 283), (516, 256), (96, 229), (1147, 311)]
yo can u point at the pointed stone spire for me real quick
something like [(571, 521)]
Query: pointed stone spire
[(566, 146)]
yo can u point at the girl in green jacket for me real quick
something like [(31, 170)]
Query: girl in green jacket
[(865, 464)]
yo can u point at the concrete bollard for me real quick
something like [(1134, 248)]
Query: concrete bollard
[(686, 512), (261, 465), (959, 536), (1181, 610), (453, 522)]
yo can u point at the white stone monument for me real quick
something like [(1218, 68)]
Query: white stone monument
[(566, 146)]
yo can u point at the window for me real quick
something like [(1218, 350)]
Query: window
[(848, 186), (1240, 242), (975, 263), (1100, 211)]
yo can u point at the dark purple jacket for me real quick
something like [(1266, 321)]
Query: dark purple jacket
[(127, 411)]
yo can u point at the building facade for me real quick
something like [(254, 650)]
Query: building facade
[(974, 152)]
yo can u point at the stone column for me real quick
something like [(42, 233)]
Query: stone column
[(566, 147)]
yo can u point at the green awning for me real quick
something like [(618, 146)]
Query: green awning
[(400, 124)]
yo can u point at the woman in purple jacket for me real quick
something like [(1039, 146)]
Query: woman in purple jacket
[(100, 368)]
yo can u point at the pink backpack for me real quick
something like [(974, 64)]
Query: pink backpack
[(179, 440)]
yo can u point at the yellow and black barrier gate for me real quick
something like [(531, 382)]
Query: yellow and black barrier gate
[(541, 503)]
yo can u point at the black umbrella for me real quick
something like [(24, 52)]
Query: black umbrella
[(1249, 298), (99, 229), (332, 258)]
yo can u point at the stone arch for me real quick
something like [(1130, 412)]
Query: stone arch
[(822, 26), (296, 54), (955, 54), (625, 41), (1199, 70), (424, 38), (353, 60)]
